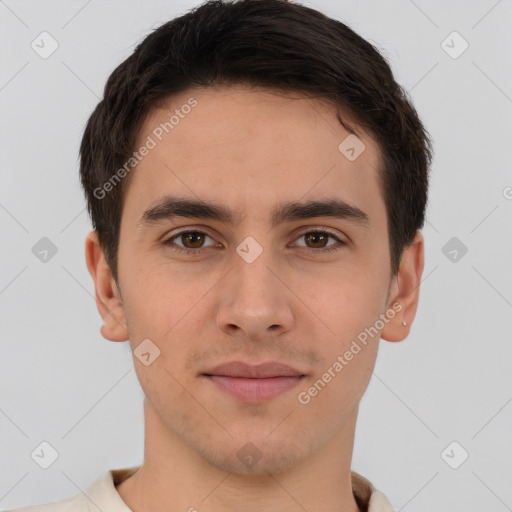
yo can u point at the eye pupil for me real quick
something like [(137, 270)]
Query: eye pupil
[(196, 237), (315, 236)]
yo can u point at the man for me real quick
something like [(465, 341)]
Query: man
[(256, 181)]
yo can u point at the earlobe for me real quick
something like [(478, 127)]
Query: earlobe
[(406, 291), (108, 298)]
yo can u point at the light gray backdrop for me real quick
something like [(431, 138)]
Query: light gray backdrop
[(441, 395)]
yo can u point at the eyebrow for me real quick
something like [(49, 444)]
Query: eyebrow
[(171, 207)]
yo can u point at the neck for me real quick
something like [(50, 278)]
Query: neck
[(174, 477)]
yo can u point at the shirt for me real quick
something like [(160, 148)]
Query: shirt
[(102, 495)]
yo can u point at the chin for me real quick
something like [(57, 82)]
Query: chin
[(256, 457)]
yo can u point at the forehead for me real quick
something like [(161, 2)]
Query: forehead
[(253, 148)]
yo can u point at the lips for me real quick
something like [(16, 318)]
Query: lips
[(261, 371), (254, 384)]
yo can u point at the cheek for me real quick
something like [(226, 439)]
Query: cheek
[(350, 308), (346, 302), (159, 297), (166, 309), (335, 393)]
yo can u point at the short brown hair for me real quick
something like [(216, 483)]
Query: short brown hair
[(271, 43)]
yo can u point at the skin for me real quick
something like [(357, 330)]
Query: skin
[(249, 149)]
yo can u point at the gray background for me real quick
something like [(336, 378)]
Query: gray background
[(450, 380)]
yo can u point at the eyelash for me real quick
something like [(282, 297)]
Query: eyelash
[(169, 242)]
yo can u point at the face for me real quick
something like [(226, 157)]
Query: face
[(254, 275)]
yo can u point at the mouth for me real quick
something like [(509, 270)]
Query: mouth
[(254, 384)]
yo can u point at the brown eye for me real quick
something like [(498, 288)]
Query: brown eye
[(191, 241), (318, 240)]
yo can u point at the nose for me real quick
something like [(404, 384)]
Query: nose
[(255, 302)]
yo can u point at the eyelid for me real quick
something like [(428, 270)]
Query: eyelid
[(340, 242), (193, 229), (321, 229)]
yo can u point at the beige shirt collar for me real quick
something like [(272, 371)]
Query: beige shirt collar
[(102, 492)]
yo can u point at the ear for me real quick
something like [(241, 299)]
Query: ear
[(108, 297), (405, 291)]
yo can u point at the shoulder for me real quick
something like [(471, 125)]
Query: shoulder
[(77, 503), (369, 498), (100, 495)]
